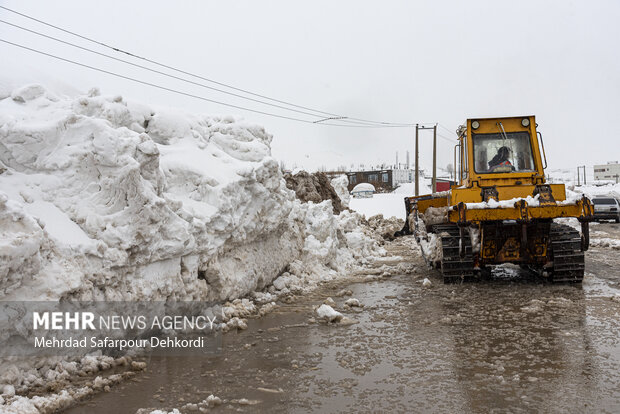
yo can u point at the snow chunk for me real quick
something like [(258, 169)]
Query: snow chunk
[(344, 292), (353, 303), (28, 93), (282, 282), (329, 302), (605, 242), (8, 390), (328, 314), (492, 203), (213, 401)]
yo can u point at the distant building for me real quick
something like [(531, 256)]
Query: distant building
[(387, 180), (609, 171), (383, 180)]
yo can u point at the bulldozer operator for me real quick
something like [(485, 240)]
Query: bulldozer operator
[(500, 162)]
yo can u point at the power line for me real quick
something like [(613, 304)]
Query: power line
[(343, 118), (183, 79), (450, 140), (181, 92), (451, 132), (167, 74)]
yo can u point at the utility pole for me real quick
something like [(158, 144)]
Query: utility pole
[(435, 159), (417, 158), (582, 167), (584, 175)]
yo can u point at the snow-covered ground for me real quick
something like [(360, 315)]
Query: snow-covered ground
[(106, 199), (389, 204), (408, 189)]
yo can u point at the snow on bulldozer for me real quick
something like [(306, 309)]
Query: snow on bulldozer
[(501, 209)]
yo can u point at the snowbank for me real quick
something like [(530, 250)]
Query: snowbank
[(139, 198), (593, 190), (122, 201), (111, 200)]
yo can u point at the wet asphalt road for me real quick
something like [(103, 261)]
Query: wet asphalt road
[(512, 344)]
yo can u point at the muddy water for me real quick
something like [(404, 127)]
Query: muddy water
[(513, 344)]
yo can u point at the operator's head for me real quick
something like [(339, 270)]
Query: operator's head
[(504, 153)]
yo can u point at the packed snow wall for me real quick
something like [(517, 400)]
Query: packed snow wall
[(111, 200)]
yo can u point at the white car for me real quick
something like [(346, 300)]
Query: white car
[(606, 208)]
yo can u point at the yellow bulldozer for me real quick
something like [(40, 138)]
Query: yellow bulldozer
[(501, 209)]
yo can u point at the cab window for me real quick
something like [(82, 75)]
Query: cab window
[(496, 153)]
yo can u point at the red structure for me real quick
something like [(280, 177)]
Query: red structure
[(443, 185)]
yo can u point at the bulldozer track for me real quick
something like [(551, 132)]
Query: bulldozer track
[(568, 258), (454, 266), (564, 245)]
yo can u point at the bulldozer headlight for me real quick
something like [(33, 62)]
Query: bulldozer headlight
[(525, 122), (475, 124)]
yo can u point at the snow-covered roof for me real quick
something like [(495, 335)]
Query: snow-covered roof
[(363, 187)]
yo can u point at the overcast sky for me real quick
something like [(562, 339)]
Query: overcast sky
[(394, 61)]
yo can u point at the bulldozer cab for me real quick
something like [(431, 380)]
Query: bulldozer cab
[(499, 151)]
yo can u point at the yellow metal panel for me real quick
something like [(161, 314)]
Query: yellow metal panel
[(433, 202), (465, 195), (492, 214), (473, 194)]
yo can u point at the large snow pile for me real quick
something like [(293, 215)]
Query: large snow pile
[(123, 201), (109, 200)]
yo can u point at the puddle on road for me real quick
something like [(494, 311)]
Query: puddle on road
[(507, 345)]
